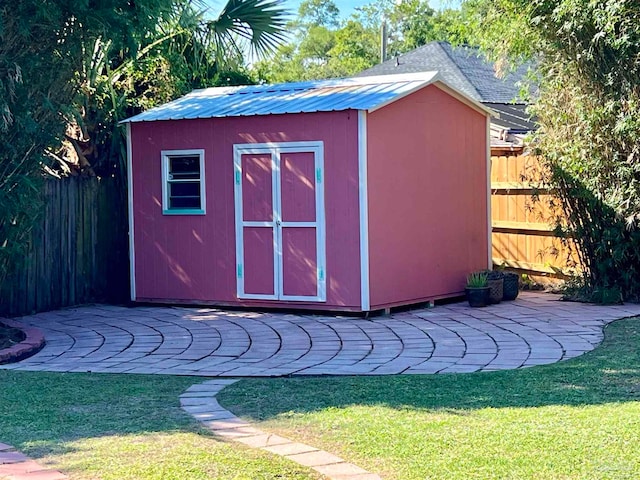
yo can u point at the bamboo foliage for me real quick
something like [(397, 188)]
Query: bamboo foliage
[(587, 109)]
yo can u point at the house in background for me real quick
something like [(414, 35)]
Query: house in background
[(352, 194), (466, 69)]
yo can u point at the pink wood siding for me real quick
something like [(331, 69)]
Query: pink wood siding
[(258, 265), (299, 262), (297, 173), (192, 257), (257, 189), (427, 183)]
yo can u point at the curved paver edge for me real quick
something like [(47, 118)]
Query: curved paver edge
[(34, 342), (200, 401), (16, 465)]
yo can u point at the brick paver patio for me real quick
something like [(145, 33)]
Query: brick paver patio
[(535, 329), (16, 466)]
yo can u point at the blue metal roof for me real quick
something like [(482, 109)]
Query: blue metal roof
[(365, 93)]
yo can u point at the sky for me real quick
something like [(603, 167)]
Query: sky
[(347, 6)]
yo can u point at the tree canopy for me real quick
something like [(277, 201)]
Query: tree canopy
[(71, 69), (323, 46)]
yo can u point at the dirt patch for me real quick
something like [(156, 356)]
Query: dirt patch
[(10, 336), (18, 341)]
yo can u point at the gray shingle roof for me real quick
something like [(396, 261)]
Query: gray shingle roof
[(464, 68)]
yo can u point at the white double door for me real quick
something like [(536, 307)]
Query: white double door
[(280, 224)]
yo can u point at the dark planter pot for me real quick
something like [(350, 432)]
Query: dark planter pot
[(478, 297), (496, 289), (510, 288)]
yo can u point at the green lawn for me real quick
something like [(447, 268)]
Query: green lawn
[(573, 420), (95, 426)]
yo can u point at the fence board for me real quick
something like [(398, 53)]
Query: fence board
[(522, 228), (77, 252)]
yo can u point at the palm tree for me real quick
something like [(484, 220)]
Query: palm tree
[(184, 50)]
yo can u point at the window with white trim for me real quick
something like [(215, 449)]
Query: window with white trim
[(183, 187)]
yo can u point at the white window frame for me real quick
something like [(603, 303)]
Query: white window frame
[(166, 155)]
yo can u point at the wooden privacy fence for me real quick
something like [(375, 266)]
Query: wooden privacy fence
[(77, 253), (522, 229)]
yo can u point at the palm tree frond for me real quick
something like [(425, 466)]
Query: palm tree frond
[(261, 22)]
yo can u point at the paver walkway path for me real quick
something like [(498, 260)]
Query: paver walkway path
[(17, 466), (200, 401), (535, 329)]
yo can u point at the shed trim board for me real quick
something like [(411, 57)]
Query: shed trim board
[(276, 223), (489, 224), (470, 102), (365, 301), (132, 254)]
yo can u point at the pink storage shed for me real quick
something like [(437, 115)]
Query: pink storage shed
[(354, 194)]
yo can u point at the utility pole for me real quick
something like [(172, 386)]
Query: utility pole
[(383, 40)]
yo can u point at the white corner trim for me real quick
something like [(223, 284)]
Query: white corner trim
[(466, 99), (428, 80), (489, 222), (365, 300), (132, 252)]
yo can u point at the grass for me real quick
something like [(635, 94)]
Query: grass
[(578, 419), (9, 336), (122, 427)]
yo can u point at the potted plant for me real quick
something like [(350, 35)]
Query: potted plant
[(511, 284), (477, 289), (495, 282)]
